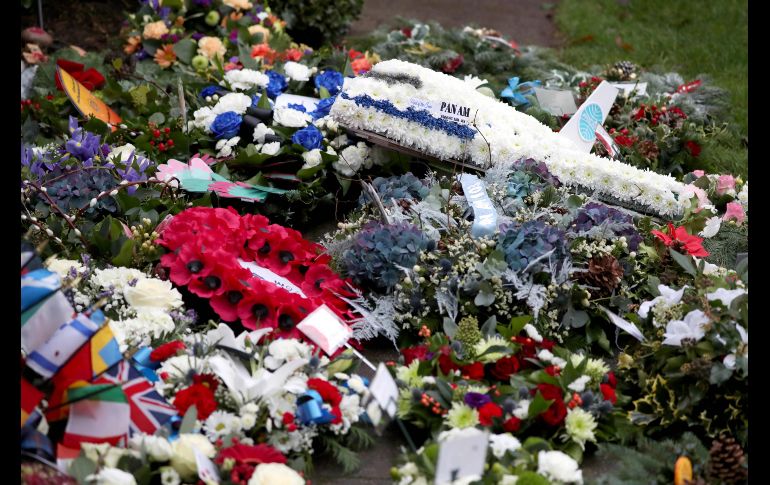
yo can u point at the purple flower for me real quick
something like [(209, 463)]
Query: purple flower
[(233, 36), (476, 399), (197, 36)]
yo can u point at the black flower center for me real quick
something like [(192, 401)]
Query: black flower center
[(285, 256), (195, 266), (212, 282), (285, 322), (303, 269), (264, 249), (259, 310), (234, 297)]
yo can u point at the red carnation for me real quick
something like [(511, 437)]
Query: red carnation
[(167, 350), (419, 352), (329, 392), (504, 367), (489, 411), (474, 371), (680, 240), (512, 424), (337, 415), (609, 393), (199, 395)]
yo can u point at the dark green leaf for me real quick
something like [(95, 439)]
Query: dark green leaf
[(185, 50), (126, 254), (81, 467), (538, 405), (518, 323), (685, 262), (719, 374)]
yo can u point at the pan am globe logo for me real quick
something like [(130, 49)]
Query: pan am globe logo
[(589, 119)]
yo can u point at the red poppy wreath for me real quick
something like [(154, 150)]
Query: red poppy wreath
[(261, 274)]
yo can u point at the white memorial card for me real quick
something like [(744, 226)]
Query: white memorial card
[(581, 128), (462, 456), (267, 275), (326, 329), (207, 470), (558, 102), (640, 88), (385, 390)]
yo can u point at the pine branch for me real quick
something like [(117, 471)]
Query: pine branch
[(344, 456), (359, 438)]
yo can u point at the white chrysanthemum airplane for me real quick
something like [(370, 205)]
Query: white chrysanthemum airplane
[(445, 117)]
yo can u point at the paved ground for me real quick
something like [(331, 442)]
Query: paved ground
[(525, 21)]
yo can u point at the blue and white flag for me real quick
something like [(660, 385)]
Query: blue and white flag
[(49, 358), (36, 285), (42, 319)]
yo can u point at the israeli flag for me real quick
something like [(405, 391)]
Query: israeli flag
[(48, 359), (37, 285)]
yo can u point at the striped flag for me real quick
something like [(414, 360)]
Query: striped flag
[(93, 358), (149, 410), (30, 398), (98, 414), (41, 320), (36, 285), (68, 338)]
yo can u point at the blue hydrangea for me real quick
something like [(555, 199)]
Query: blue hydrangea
[(276, 85), (380, 249), (406, 186), (529, 176), (331, 80), (226, 125), (76, 188), (309, 137), (323, 107), (616, 222), (523, 243)]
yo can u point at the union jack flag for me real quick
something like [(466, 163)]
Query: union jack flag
[(149, 411)]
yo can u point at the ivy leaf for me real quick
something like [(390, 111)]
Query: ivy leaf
[(684, 261)]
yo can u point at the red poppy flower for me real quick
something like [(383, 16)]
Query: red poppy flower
[(91, 79), (504, 367), (329, 392), (293, 55), (512, 424), (190, 262), (226, 303), (167, 350), (257, 307), (681, 241), (199, 395), (250, 454), (474, 371), (318, 278), (292, 310), (609, 393), (419, 352), (488, 412)]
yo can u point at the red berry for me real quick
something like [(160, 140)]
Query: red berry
[(49, 97), (37, 105), (152, 143), (170, 143), (161, 146), (167, 130), (156, 133)]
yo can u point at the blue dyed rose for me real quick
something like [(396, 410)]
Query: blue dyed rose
[(211, 91), (323, 107), (226, 125), (331, 80), (276, 85), (309, 137)]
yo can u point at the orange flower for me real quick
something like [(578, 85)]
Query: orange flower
[(292, 55), (132, 44), (361, 65), (265, 52), (165, 56)]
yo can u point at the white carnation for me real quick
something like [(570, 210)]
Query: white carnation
[(297, 71), (559, 466), (245, 79), (291, 118), (312, 158)]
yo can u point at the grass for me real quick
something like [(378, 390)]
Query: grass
[(692, 37)]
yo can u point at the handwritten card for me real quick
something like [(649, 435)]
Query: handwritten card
[(558, 102), (462, 456), (326, 329), (267, 275)]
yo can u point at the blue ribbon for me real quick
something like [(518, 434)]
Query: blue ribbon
[(310, 409), (173, 425), (484, 213), (145, 365), (515, 92)]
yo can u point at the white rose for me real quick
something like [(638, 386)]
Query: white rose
[(151, 293), (312, 158), (271, 148), (502, 443), (111, 476), (236, 102), (558, 466), (183, 459), (275, 474), (297, 71), (156, 447), (244, 79), (260, 131), (291, 118)]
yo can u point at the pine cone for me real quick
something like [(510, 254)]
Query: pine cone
[(603, 272), (726, 461), (624, 69)]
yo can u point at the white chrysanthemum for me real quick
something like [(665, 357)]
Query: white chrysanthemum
[(580, 426), (743, 196), (557, 465), (522, 410), (147, 325), (245, 79), (297, 71), (290, 118), (503, 443), (180, 366), (351, 160), (462, 416), (220, 424)]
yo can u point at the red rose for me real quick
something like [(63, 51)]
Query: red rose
[(557, 411), (504, 367), (693, 148), (474, 371), (329, 393), (419, 352), (489, 411), (199, 395), (512, 424), (611, 379), (167, 350), (549, 391), (609, 393), (90, 78), (552, 370), (446, 364)]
